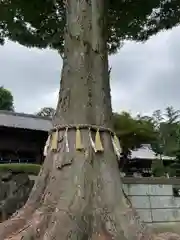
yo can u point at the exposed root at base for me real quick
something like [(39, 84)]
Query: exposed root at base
[(79, 202), (36, 228), (31, 230), (16, 222)]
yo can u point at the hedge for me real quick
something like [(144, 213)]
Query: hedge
[(32, 169)]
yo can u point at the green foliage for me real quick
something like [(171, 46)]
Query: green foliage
[(32, 169), (6, 100), (133, 132), (168, 129), (46, 112), (41, 23), (158, 168), (161, 131), (172, 115), (174, 167)]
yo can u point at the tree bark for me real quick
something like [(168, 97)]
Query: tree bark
[(78, 194)]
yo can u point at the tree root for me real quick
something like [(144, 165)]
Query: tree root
[(15, 223), (87, 204), (66, 228), (31, 229)]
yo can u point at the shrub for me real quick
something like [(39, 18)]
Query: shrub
[(20, 168), (158, 168)]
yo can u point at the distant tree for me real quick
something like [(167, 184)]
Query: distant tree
[(161, 131), (167, 143), (174, 168), (158, 168), (133, 132), (6, 100), (157, 117), (172, 115), (46, 112), (167, 125)]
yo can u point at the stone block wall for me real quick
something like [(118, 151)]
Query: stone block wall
[(153, 199)]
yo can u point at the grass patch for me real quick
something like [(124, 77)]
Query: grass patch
[(32, 169)]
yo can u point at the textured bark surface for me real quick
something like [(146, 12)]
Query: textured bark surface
[(78, 194)]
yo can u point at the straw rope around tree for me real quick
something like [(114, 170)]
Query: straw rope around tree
[(52, 141)]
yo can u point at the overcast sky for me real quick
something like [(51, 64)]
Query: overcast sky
[(144, 76)]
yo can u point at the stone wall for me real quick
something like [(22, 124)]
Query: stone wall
[(154, 200), (14, 192)]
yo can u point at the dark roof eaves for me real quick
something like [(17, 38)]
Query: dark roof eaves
[(23, 115)]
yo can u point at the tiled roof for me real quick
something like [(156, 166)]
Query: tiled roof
[(146, 152), (24, 121)]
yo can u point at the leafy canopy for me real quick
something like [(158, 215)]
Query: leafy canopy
[(167, 126), (6, 100), (41, 23), (46, 112), (133, 132), (161, 130)]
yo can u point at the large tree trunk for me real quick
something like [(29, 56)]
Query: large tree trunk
[(78, 194)]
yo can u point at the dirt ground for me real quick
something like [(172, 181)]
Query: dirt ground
[(164, 227)]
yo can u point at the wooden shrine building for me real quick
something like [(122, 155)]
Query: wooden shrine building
[(140, 162), (22, 137)]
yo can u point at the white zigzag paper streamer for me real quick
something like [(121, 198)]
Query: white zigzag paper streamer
[(47, 146), (92, 142), (116, 149), (66, 140)]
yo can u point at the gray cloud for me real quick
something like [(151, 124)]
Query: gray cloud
[(145, 76), (31, 74), (148, 74)]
